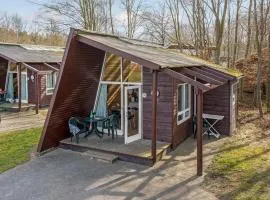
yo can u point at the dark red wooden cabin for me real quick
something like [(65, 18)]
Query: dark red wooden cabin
[(94, 61), (26, 70)]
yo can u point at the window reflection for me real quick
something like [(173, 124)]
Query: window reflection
[(112, 68), (132, 72)]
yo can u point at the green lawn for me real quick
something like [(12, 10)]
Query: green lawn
[(241, 169), (16, 146)]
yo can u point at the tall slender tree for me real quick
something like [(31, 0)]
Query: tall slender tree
[(260, 18), (157, 24), (235, 45), (219, 10), (174, 8), (134, 10)]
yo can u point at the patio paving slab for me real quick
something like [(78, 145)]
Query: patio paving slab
[(67, 175)]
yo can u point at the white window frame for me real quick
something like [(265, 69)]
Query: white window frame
[(185, 118), (50, 91), (122, 84)]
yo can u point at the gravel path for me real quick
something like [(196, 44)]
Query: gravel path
[(21, 120)]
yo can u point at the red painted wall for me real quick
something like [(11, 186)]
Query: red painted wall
[(76, 91), (44, 99), (164, 106), (3, 72)]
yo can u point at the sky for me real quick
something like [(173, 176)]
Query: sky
[(24, 8), (29, 11)]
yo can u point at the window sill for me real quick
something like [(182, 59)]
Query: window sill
[(182, 121), (49, 91)]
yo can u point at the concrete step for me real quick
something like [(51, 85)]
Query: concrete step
[(105, 157)]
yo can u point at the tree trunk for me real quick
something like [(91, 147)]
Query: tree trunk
[(111, 17), (219, 27), (268, 89), (268, 79), (236, 32), (259, 94), (218, 49), (228, 39), (249, 29)]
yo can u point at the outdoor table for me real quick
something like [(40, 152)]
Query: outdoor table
[(212, 120), (94, 126)]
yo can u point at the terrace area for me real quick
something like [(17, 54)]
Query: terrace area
[(138, 151)]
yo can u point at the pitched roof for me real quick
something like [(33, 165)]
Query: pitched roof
[(154, 53), (31, 53)]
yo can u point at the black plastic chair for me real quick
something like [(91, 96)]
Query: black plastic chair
[(76, 127), (3, 95), (117, 114), (111, 125)]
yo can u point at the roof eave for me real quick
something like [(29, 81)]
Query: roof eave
[(8, 58), (123, 54)]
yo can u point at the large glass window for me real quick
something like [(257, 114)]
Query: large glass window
[(117, 73), (112, 68), (13, 67), (51, 78), (183, 102), (132, 72)]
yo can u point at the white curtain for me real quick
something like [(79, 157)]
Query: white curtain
[(101, 109), (10, 89)]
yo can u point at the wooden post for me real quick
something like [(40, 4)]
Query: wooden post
[(20, 86), (37, 92), (154, 115), (199, 132)]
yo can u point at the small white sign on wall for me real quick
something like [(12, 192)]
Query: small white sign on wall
[(157, 93), (144, 95)]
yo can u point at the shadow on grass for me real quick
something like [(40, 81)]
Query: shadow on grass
[(226, 149), (230, 165), (257, 186), (243, 172)]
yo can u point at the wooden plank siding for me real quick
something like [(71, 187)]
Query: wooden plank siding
[(75, 91), (44, 99), (31, 87), (164, 106), (3, 72), (185, 129), (217, 102)]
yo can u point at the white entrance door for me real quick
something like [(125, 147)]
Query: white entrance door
[(133, 114)]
